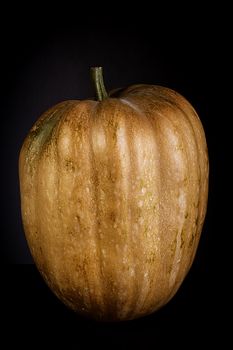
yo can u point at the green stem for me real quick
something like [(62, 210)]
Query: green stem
[(98, 81)]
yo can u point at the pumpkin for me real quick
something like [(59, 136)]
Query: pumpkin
[(113, 197)]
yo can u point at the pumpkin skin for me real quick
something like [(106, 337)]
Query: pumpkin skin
[(113, 198)]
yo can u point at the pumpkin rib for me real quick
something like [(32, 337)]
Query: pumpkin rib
[(156, 117), (141, 296), (33, 179), (178, 252), (190, 183), (92, 265), (128, 174), (125, 175), (151, 288), (94, 289), (196, 235), (81, 263), (174, 104), (47, 243), (199, 132), (87, 257), (202, 184), (100, 144), (96, 188), (27, 186), (201, 173)]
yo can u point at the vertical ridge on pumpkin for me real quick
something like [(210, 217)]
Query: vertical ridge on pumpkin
[(197, 166), (32, 164), (130, 256), (152, 193), (100, 151), (145, 196), (204, 172), (173, 167), (186, 148), (202, 159), (85, 213), (43, 220), (129, 253), (73, 265), (121, 154), (100, 307), (194, 120)]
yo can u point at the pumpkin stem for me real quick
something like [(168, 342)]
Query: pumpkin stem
[(98, 81)]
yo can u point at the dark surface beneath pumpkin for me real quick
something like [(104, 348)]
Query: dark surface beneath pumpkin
[(34, 317)]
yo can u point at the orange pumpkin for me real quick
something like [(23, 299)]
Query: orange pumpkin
[(114, 195)]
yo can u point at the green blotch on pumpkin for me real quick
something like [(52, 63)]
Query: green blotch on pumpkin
[(40, 135), (42, 131)]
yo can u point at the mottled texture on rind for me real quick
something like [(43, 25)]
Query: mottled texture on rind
[(114, 196)]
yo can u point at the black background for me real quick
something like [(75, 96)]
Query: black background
[(46, 57)]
